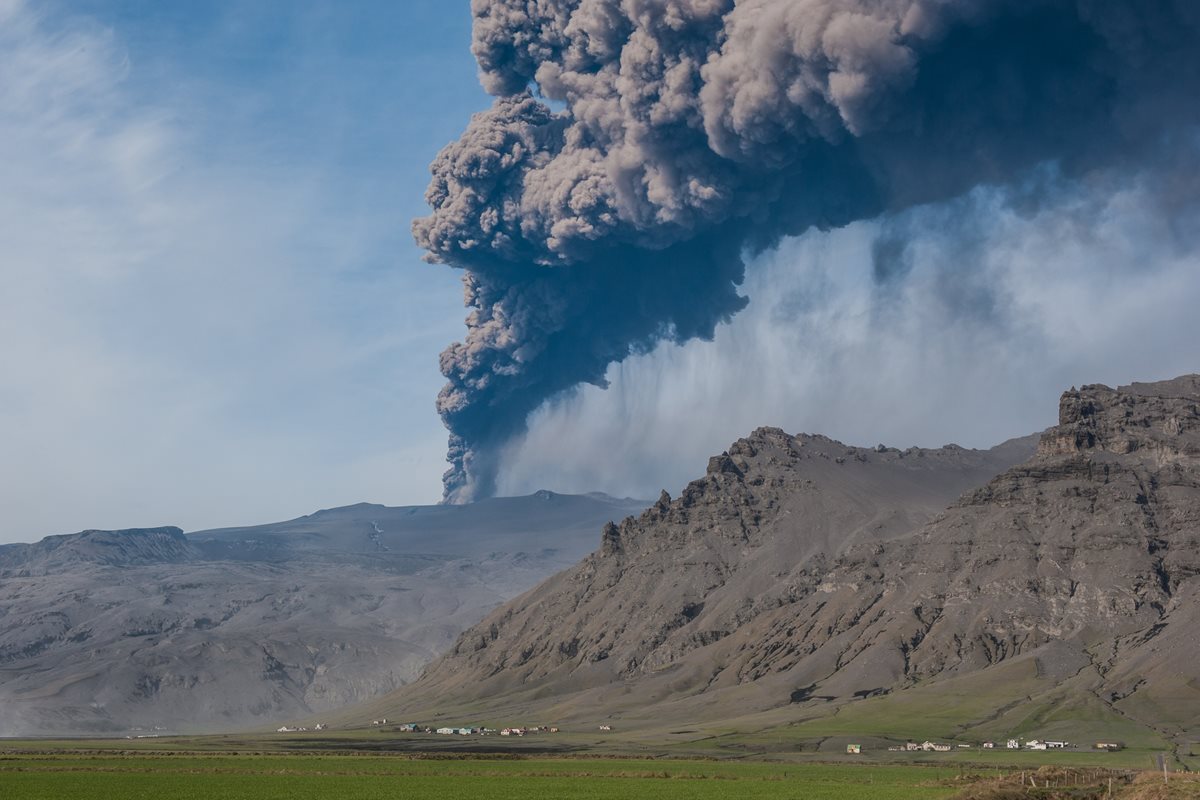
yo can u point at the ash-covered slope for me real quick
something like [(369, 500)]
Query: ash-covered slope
[(1085, 558), (683, 583), (124, 548), (149, 628), (790, 577)]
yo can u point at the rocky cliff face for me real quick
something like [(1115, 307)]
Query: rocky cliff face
[(691, 581), (1094, 540), (801, 571)]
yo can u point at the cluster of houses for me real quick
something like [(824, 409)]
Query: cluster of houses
[(1037, 744), (1011, 744), (412, 727), (912, 747), (522, 731), (320, 726)]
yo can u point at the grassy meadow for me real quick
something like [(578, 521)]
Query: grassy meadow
[(150, 776)]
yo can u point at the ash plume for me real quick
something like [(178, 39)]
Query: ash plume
[(691, 133)]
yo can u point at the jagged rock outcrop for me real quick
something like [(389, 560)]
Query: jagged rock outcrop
[(802, 571), (1093, 540)]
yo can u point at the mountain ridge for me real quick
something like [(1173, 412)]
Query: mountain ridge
[(1084, 558), (110, 631), (838, 493)]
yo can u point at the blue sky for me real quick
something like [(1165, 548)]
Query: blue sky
[(212, 311)]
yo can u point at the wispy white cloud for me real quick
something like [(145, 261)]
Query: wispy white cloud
[(186, 340), (959, 322)]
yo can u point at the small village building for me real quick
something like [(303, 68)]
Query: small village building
[(1013, 744), (445, 731), (989, 745), (1110, 746)]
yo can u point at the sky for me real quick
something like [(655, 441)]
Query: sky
[(213, 311)]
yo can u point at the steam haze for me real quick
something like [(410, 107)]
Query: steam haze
[(960, 322)]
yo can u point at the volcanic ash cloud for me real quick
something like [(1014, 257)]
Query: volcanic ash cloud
[(638, 150)]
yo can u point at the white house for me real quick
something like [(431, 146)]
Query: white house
[(1013, 744)]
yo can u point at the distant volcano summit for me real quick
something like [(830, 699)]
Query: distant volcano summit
[(151, 629)]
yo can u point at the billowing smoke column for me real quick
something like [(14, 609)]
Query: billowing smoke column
[(689, 133)]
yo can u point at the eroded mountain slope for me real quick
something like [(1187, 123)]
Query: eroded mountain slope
[(685, 581), (769, 585)]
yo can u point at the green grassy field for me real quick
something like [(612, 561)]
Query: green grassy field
[(147, 776)]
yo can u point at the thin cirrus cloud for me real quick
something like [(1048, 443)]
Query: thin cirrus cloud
[(196, 335)]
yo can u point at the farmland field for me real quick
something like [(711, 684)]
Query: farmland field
[(367, 777)]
